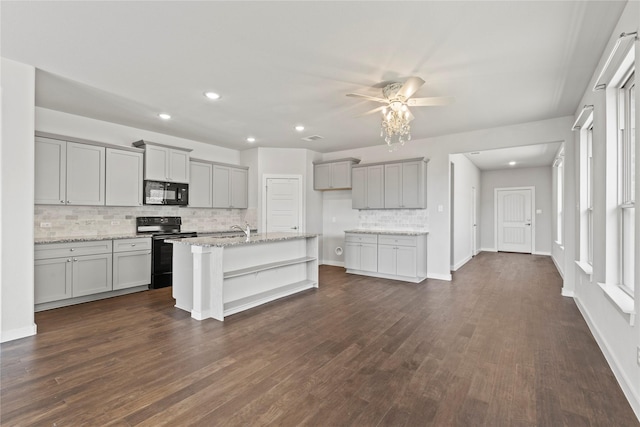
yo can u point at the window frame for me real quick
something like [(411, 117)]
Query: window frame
[(626, 181)]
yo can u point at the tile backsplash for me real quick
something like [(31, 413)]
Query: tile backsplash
[(395, 219), (83, 221)]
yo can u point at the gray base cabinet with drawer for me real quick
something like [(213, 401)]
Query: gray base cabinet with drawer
[(131, 263), (71, 273), (390, 256)]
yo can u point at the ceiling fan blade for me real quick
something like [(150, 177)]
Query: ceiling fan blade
[(410, 87), (367, 97), (426, 102), (375, 110)]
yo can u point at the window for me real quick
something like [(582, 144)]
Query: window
[(626, 180), (559, 163), (589, 193)]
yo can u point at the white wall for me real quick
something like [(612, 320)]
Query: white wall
[(438, 149), (618, 339), (17, 168), (466, 178), (540, 178)]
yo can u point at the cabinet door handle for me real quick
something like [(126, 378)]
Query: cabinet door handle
[(68, 259), (133, 244), (72, 249), (75, 260), (61, 201)]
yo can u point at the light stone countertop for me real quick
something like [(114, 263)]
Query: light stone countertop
[(209, 241), (394, 232), (72, 239)]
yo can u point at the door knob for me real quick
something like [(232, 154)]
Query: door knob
[(294, 228)]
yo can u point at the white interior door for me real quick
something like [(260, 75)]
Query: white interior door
[(283, 205), (514, 220)]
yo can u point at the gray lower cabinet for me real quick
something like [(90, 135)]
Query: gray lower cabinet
[(69, 273), (361, 252), (131, 263), (400, 257), (69, 270), (52, 279), (91, 274)]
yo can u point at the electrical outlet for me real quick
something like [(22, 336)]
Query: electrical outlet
[(638, 355), (45, 225)]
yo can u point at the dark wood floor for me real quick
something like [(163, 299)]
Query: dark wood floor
[(498, 346)]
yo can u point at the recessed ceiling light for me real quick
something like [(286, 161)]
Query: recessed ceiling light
[(212, 95), (299, 128), (251, 139), (164, 116), (512, 163)]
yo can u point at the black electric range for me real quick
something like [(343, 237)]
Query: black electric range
[(160, 228)]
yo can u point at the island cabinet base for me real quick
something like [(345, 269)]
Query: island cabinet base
[(214, 282)]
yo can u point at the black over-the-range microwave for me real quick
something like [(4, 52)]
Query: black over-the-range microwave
[(166, 193)]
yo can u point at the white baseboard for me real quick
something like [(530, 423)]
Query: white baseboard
[(446, 277), (541, 253), (558, 267), (623, 380), (567, 293), (488, 250), (461, 263), (333, 263), (16, 334)]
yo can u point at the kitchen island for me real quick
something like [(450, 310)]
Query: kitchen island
[(214, 277)]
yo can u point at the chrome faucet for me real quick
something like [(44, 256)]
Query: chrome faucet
[(246, 231)]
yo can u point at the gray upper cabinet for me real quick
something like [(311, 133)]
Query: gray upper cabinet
[(368, 187), (85, 174), (230, 187), (239, 188), (333, 175), (164, 163), (50, 171), (405, 184), (218, 185), (69, 173), (200, 181), (123, 178), (400, 184)]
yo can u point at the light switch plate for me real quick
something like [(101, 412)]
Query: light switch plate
[(538, 211)]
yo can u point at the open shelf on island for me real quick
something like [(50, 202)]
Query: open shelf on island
[(268, 266), (242, 304)]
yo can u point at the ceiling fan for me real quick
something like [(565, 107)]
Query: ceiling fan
[(395, 113), (397, 96)]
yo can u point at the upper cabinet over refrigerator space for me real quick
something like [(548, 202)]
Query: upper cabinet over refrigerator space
[(333, 174)]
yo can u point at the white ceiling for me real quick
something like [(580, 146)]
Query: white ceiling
[(277, 64), (527, 156)]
